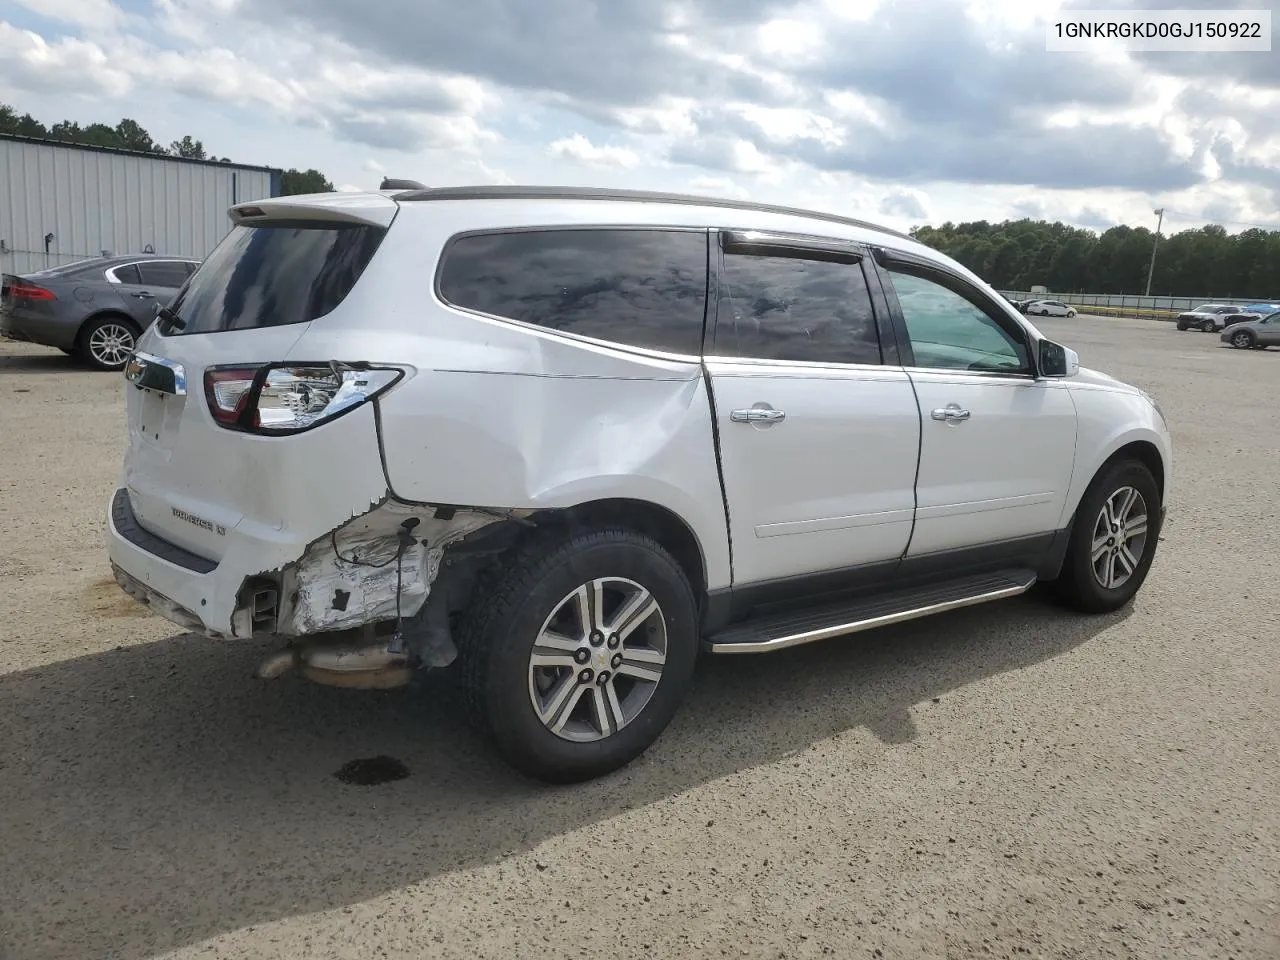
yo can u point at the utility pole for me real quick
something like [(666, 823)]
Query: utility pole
[(1151, 272)]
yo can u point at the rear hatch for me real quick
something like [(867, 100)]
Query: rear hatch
[(287, 263)]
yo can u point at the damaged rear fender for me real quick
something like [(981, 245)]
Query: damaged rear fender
[(363, 572)]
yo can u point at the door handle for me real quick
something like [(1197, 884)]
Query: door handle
[(143, 295), (951, 413), (757, 415)]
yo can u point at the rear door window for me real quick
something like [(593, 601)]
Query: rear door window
[(128, 273), (163, 273), (795, 308), (275, 274), (638, 288)]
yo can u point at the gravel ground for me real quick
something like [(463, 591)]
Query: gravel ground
[(1007, 781)]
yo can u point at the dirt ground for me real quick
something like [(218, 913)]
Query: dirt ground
[(1008, 781)]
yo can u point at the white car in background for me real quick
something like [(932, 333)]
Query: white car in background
[(1050, 308), (570, 437)]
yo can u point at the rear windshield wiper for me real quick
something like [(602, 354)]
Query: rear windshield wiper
[(171, 319)]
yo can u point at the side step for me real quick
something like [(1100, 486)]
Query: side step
[(780, 631)]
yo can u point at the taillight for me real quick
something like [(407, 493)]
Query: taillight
[(227, 390), (29, 291), (292, 397)]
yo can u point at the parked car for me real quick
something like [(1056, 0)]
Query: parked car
[(94, 309), (1262, 309), (1254, 334), (1210, 317), (614, 428), (1049, 308)]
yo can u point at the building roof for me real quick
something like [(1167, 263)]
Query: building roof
[(68, 145)]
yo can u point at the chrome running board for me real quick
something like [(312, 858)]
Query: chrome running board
[(779, 632)]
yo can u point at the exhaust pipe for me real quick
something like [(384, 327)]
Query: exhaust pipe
[(355, 659)]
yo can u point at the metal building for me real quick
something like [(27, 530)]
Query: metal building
[(61, 202)]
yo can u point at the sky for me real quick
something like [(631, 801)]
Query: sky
[(907, 112)]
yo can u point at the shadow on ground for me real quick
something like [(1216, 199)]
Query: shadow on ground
[(54, 362), (157, 795)]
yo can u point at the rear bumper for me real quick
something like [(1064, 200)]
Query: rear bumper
[(30, 326), (191, 591)]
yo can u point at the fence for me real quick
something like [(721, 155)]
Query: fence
[(1129, 305)]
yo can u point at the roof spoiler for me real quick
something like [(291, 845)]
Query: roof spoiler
[(391, 183)]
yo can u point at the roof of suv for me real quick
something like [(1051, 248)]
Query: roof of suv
[(632, 196)]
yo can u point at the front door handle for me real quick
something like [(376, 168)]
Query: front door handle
[(951, 413), (143, 295), (757, 414)]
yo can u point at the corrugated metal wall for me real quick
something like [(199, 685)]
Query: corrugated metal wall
[(92, 200)]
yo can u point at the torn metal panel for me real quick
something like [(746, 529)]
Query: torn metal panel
[(360, 573)]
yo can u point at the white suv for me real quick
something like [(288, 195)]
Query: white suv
[(571, 437)]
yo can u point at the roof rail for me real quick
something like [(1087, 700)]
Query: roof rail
[(390, 183), (635, 196)]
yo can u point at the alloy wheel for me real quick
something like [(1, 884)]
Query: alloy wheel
[(1119, 538), (598, 659), (1241, 340), (111, 344)]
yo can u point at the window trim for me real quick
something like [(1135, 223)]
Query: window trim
[(438, 292), (885, 259), (788, 246), (191, 267)]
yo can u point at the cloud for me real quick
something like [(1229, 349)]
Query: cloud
[(901, 202), (914, 107), (91, 14), (579, 148)]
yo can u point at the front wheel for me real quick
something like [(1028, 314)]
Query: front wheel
[(578, 652), (107, 343), (1113, 539), (1243, 340)]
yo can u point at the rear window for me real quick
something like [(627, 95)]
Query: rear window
[(639, 288), (270, 276)]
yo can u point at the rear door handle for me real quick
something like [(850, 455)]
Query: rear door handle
[(143, 295), (759, 414), (951, 413)]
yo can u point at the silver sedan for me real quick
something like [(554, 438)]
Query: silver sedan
[(1253, 334)]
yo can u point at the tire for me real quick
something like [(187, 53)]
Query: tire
[(105, 342), (533, 591), (1080, 585), (1181, 327), (1243, 340), (1209, 327)]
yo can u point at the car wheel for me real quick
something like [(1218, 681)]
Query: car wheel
[(579, 652), (1242, 340), (1209, 327), (1113, 539), (1071, 313), (107, 342), (1182, 326)]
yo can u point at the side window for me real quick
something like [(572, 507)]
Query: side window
[(127, 274), (790, 308), (641, 288), (949, 331), (163, 273)]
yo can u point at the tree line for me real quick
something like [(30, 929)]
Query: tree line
[(1202, 262), (131, 135)]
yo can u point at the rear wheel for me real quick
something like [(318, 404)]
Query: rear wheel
[(106, 343), (1113, 539), (1243, 340), (1209, 326), (578, 651)]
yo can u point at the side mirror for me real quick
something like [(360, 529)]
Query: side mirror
[(1057, 360)]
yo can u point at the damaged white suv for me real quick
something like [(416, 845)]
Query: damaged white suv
[(571, 437)]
